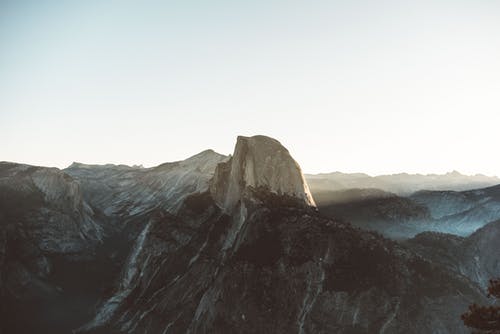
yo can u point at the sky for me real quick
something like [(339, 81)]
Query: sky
[(354, 86)]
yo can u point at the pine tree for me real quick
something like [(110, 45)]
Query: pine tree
[(485, 319)]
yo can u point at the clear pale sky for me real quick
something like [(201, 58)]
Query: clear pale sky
[(371, 86)]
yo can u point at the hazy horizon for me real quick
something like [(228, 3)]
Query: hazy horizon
[(305, 172), (379, 88)]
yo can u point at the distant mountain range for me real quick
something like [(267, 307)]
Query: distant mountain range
[(400, 184), (456, 212), (403, 205)]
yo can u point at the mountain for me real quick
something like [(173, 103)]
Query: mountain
[(49, 237), (130, 190), (51, 201), (475, 256), (252, 255), (66, 234), (259, 163), (398, 217), (463, 212), (402, 184), (393, 216), (217, 244)]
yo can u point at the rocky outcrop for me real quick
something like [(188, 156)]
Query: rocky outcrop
[(48, 235), (258, 163), (47, 205)]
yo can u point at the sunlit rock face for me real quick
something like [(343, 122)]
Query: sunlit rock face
[(258, 162), (120, 190)]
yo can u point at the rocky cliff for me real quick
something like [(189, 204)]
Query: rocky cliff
[(48, 236), (252, 255), (258, 163)]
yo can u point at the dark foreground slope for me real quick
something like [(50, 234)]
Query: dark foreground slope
[(287, 271), (49, 238)]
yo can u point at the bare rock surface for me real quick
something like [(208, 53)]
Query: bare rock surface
[(123, 190), (259, 162)]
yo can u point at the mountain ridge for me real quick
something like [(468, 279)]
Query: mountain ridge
[(402, 183), (231, 244), (268, 263)]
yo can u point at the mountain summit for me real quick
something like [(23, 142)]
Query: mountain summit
[(258, 162)]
